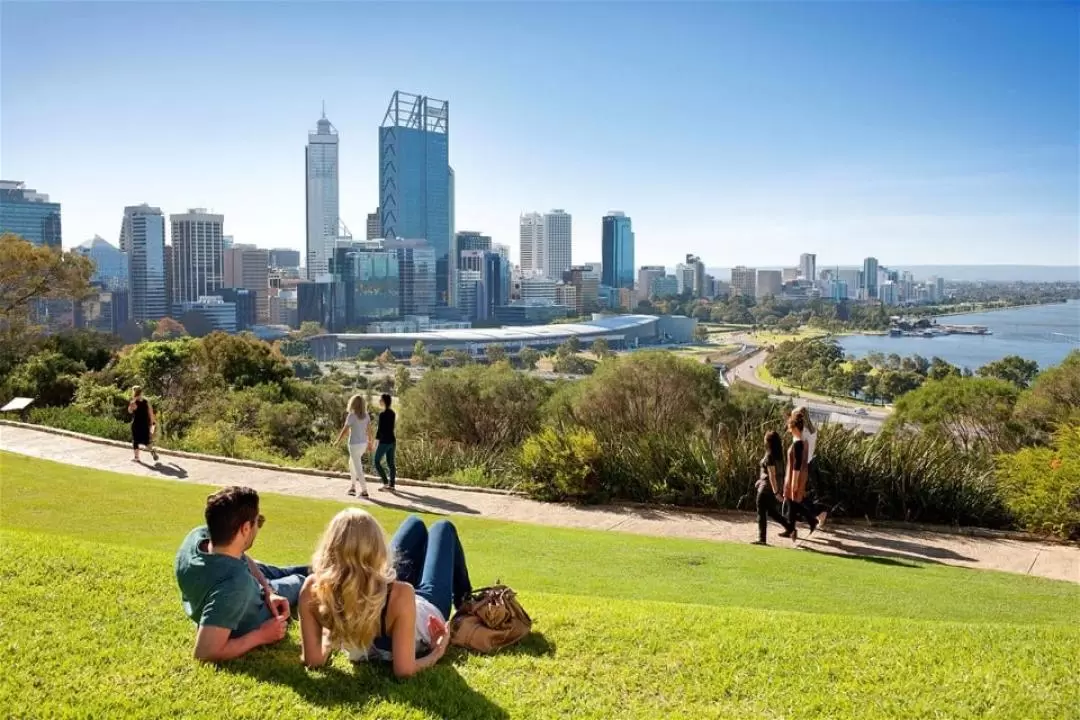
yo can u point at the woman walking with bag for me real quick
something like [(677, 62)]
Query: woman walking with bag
[(358, 426), (143, 423), (797, 470), (357, 601), (768, 489)]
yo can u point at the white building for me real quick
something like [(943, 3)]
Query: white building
[(198, 255), (558, 242), (744, 281), (531, 237), (769, 282), (142, 238), (808, 267), (322, 196), (538, 291)]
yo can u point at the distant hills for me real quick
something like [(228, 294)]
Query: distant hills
[(961, 273)]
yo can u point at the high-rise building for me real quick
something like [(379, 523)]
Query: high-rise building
[(531, 237), (209, 311), (374, 227), (110, 263), (789, 274), (197, 255), (744, 281), (415, 195), (538, 291), (285, 258), (587, 282), (684, 279), (29, 214), (502, 251), (646, 275), (889, 293), (566, 295), (246, 266), (472, 240), (808, 267), (664, 286), (617, 247), (938, 284), (321, 178), (870, 279), (558, 241), (417, 267), (696, 271), (769, 282), (142, 238), (103, 311)]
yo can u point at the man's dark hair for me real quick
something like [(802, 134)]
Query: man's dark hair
[(227, 510), (386, 400)]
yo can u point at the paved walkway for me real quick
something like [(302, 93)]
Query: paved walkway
[(1049, 560)]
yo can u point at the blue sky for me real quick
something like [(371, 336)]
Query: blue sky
[(743, 132)]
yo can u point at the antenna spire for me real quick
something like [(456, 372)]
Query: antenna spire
[(323, 109)]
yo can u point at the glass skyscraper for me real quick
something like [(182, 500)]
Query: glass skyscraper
[(110, 263), (415, 181), (142, 237), (29, 214), (617, 244), (321, 181)]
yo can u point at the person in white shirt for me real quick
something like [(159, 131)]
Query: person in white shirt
[(810, 436), (358, 426)]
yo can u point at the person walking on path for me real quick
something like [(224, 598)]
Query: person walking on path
[(797, 469), (143, 423), (386, 441), (810, 435), (768, 489), (358, 426)]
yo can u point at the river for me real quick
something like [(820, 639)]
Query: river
[(1043, 333)]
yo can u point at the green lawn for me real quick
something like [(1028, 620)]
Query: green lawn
[(626, 626)]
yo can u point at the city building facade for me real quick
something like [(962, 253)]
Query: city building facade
[(531, 239), (744, 281), (246, 266), (617, 247), (110, 263), (142, 239), (29, 214), (321, 182), (197, 255), (769, 282)]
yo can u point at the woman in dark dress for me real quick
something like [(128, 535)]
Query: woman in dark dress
[(768, 488), (142, 423), (798, 462)]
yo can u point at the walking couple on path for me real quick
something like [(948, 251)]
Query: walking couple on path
[(361, 439), (371, 599)]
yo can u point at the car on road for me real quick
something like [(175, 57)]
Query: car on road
[(861, 411)]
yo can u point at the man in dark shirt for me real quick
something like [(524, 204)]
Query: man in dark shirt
[(237, 603), (387, 441)]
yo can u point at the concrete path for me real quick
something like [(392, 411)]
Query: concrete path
[(1061, 562)]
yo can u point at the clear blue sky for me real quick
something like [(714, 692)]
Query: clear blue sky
[(743, 132)]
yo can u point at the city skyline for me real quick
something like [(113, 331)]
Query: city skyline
[(858, 150)]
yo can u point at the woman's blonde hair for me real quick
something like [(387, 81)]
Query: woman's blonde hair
[(352, 571), (356, 404)]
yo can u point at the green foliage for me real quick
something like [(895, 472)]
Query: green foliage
[(402, 380), (1053, 399), (75, 420), (573, 365), (562, 465), (241, 360), (495, 353), (1013, 369), (455, 357), (366, 355), (969, 411), (286, 426), (309, 329), (158, 366), (94, 350), (1041, 486), (326, 456), (94, 398), (48, 377), (305, 368), (529, 357)]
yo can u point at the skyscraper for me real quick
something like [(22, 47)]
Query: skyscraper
[(870, 278), (197, 255), (531, 236), (697, 273), (415, 194), (246, 266), (110, 263), (417, 268), (29, 214), (142, 237), (744, 281), (374, 227), (645, 276), (808, 267), (321, 158), (285, 258), (769, 282), (472, 240), (617, 247), (558, 241)]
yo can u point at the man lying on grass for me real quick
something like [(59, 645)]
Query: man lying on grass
[(238, 604)]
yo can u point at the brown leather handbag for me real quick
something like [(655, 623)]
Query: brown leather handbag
[(492, 618)]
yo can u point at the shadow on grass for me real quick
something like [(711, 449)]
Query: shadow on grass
[(439, 691), (535, 645)]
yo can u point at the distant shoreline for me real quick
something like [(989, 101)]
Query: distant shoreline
[(1000, 308)]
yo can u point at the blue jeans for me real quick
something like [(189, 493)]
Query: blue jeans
[(386, 450), (286, 581), (432, 561)]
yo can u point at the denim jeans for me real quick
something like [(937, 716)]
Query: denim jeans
[(286, 581), (432, 561), (386, 450)]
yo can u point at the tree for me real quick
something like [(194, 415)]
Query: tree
[(420, 355), (1013, 369), (166, 329), (48, 377), (29, 274), (872, 388), (573, 343), (939, 369), (967, 410), (366, 355), (309, 329), (601, 349), (197, 323), (529, 357), (495, 353), (241, 360), (1053, 399), (701, 333), (402, 380), (386, 359)]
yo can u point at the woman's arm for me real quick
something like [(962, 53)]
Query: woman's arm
[(403, 634), (150, 411), (772, 479), (316, 647), (344, 429)]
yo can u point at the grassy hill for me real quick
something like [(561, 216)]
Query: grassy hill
[(626, 626)]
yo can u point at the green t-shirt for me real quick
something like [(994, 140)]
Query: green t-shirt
[(218, 590)]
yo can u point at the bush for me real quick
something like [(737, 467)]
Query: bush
[(325, 456), (70, 418), (441, 460), (221, 439), (1041, 486), (93, 398), (48, 377), (562, 465)]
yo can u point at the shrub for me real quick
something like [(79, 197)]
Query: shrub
[(1041, 486), (440, 460), (325, 456), (1052, 400), (93, 398), (286, 425), (562, 465), (48, 377), (74, 419)]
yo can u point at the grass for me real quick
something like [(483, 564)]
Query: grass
[(762, 373), (626, 626)]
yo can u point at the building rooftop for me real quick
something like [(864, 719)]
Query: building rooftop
[(612, 323)]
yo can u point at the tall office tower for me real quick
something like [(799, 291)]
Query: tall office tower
[(558, 240), (142, 237), (472, 240), (617, 247), (769, 282), (531, 236), (808, 267), (789, 274), (503, 251), (645, 276), (587, 282), (197, 255), (695, 269), (285, 258), (29, 214), (110, 263), (321, 178), (415, 188), (374, 227), (246, 266), (744, 281), (870, 279), (684, 279), (417, 267)]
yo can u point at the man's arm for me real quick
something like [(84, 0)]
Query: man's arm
[(213, 644), (277, 604)]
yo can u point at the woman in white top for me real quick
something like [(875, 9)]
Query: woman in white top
[(809, 436), (358, 426)]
